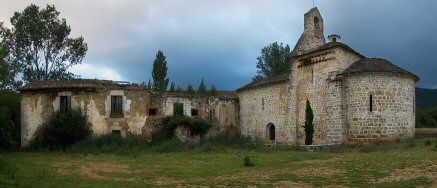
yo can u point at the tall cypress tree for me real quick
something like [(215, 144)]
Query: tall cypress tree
[(190, 89), (172, 87), (159, 74), (213, 90), (309, 126), (202, 88)]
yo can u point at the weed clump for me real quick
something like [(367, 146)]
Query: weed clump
[(428, 142), (247, 161), (411, 143)]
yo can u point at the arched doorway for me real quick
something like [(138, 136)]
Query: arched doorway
[(270, 131)]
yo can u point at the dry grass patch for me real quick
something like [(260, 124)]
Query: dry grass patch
[(428, 171)]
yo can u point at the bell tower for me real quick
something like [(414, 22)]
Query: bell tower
[(312, 36)]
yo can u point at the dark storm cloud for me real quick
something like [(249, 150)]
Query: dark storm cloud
[(220, 40)]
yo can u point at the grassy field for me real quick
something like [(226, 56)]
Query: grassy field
[(391, 165)]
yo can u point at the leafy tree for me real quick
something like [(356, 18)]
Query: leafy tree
[(202, 88), (190, 89), (274, 60), (213, 90), (39, 41), (309, 126), (159, 74), (8, 69)]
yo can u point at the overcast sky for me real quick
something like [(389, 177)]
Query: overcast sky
[(220, 40)]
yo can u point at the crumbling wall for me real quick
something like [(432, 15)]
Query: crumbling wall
[(221, 112), (37, 107)]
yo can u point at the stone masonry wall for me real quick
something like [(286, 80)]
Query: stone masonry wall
[(38, 107), (221, 112), (393, 113), (261, 106), (317, 82)]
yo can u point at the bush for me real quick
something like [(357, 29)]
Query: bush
[(248, 161), (197, 127), (63, 130), (9, 120), (178, 109), (426, 117), (428, 142), (411, 143)]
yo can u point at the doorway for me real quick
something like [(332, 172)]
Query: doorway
[(270, 131)]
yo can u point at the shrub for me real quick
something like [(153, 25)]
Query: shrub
[(63, 130), (197, 127), (178, 109), (248, 161), (428, 142), (411, 143), (435, 146), (9, 120)]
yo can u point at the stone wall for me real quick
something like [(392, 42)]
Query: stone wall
[(393, 113), (38, 107), (222, 112), (262, 106), (314, 78)]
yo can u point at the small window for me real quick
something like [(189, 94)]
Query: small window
[(334, 39), (64, 104), (263, 103), (194, 112), (371, 103), (211, 116), (116, 132), (312, 76), (153, 111), (116, 106)]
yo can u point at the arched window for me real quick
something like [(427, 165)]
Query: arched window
[(371, 103)]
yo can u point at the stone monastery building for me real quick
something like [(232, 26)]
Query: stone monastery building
[(355, 99)]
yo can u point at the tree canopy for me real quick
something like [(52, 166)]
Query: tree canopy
[(40, 43), (274, 60), (159, 73), (8, 69)]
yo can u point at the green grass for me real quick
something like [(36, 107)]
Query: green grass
[(376, 166)]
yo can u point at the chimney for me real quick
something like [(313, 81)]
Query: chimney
[(334, 38)]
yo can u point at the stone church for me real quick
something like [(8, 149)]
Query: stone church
[(355, 99)]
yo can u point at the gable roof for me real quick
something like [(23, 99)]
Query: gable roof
[(76, 84), (328, 46), (266, 81), (376, 65)]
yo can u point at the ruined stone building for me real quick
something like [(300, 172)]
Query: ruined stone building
[(355, 99)]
